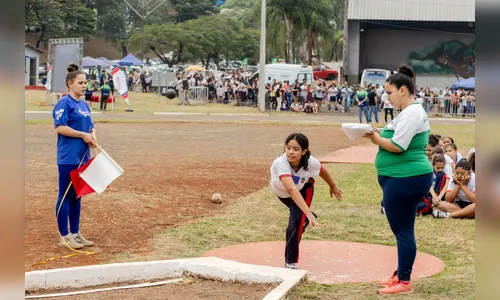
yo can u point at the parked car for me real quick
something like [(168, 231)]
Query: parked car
[(324, 72)]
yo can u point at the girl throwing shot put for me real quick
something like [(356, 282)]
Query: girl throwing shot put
[(293, 183)]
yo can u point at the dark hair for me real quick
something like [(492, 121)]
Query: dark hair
[(304, 144), (433, 140), (464, 164), (72, 73), (438, 136), (404, 77), (437, 150), (450, 138), (453, 146), (472, 161), (438, 158)]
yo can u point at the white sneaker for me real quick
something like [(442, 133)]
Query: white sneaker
[(80, 239), (290, 266), (440, 214), (69, 240)]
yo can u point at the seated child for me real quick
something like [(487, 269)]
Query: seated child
[(461, 194), (438, 188)]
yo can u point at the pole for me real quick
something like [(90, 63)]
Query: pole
[(345, 49), (262, 62)]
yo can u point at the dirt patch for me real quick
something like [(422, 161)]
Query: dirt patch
[(171, 172), (189, 288)]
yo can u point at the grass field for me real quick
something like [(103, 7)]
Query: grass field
[(356, 219)]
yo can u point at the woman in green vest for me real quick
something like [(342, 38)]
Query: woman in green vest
[(404, 172)]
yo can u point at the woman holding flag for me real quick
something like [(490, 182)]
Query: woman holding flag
[(75, 134)]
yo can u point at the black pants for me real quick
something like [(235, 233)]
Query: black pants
[(389, 111), (401, 197), (297, 222), (104, 102)]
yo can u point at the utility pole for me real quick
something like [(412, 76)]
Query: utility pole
[(262, 62), (345, 44)]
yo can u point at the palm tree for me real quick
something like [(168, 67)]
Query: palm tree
[(316, 21)]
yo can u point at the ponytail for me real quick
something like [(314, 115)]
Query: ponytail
[(304, 161)]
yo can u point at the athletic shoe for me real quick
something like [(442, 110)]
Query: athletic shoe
[(389, 281), (382, 210), (69, 240), (396, 287), (440, 214), (290, 266), (80, 239)]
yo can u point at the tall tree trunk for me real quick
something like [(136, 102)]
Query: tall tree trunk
[(124, 49), (207, 62), (309, 45), (288, 52), (39, 40)]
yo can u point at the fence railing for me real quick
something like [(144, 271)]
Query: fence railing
[(449, 108), (194, 95)]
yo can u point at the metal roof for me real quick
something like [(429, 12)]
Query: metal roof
[(413, 10)]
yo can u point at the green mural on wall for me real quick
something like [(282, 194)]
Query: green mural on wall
[(451, 57)]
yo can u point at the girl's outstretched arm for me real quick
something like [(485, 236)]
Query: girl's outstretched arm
[(334, 190)]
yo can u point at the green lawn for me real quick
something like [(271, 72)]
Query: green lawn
[(356, 219)]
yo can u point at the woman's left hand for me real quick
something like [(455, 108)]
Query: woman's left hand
[(373, 136), (335, 191)]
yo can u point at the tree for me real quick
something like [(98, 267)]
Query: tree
[(207, 38), (58, 19), (162, 39), (192, 9), (116, 21)]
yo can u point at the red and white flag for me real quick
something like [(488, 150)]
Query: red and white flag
[(120, 82), (96, 175)]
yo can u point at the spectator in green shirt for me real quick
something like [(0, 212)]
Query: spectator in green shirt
[(362, 98), (105, 91)]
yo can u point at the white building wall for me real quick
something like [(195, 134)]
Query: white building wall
[(31, 53), (413, 10)]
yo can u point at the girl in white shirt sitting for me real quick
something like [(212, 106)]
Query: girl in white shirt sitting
[(461, 194)]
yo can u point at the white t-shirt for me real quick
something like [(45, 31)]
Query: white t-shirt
[(411, 121), (461, 195), (281, 167), (385, 100)]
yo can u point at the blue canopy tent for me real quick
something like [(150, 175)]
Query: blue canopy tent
[(89, 62), (468, 84), (104, 59), (130, 60)]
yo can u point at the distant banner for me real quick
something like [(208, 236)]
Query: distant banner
[(120, 82)]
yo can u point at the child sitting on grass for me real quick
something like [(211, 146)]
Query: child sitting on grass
[(438, 188), (461, 194)]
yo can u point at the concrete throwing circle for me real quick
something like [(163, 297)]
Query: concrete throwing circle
[(331, 262)]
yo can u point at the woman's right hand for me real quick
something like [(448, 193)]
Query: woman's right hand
[(312, 220), (88, 139)]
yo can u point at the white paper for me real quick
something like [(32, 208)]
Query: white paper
[(356, 130), (101, 172)]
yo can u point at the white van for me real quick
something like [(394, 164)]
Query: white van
[(375, 76), (287, 72)]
